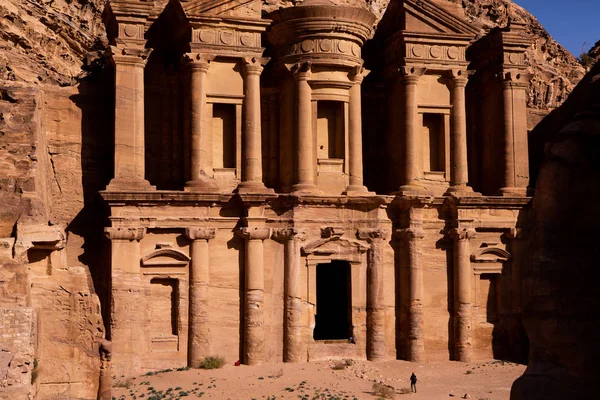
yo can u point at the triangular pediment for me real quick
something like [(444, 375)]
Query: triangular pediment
[(422, 16), (223, 8)]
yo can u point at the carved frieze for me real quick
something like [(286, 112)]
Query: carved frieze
[(324, 45), (435, 52), (226, 37)]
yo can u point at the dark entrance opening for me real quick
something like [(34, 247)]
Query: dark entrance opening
[(333, 319)]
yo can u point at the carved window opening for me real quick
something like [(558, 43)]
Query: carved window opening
[(434, 156), (164, 307), (330, 130), (333, 320), (224, 135)]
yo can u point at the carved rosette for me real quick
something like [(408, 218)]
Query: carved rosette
[(194, 233), (227, 38), (124, 233)]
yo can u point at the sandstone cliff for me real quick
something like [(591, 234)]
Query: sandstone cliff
[(560, 300)]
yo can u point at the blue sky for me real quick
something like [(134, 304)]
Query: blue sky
[(570, 22)]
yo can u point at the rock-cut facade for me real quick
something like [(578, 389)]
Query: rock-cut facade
[(295, 186)]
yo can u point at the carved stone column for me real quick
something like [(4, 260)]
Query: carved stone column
[(304, 145), (462, 293), (459, 171), (355, 134), (376, 350), (254, 334), (415, 346), (128, 333), (252, 179), (516, 156), (129, 119), (412, 168), (294, 350), (198, 335), (201, 141)]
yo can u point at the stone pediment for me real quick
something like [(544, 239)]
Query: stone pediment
[(423, 17), (165, 257), (334, 246), (223, 8)]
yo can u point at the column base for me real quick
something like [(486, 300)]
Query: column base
[(253, 187), (305, 189), (461, 191), (129, 185), (202, 185), (513, 192), (357, 190), (412, 189)]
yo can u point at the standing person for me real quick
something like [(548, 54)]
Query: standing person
[(413, 383)]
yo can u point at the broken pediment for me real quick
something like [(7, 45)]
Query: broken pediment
[(334, 245), (490, 254), (166, 257), (223, 8)]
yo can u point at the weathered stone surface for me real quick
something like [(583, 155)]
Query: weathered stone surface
[(560, 301)]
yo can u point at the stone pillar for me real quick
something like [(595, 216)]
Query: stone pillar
[(198, 334), (355, 134), (127, 330), (516, 152), (129, 119), (415, 346), (459, 171), (304, 145), (254, 334), (201, 179), (252, 179), (294, 350), (412, 167), (463, 274), (376, 315)]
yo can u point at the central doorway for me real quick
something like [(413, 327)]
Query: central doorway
[(333, 320)]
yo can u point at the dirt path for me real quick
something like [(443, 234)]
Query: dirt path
[(319, 380)]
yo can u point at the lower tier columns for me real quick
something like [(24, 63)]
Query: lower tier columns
[(294, 350), (254, 333), (198, 335), (376, 315), (127, 301), (462, 294)]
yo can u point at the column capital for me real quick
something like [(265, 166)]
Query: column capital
[(358, 73), (411, 75), (515, 233), (459, 77), (255, 233), (254, 65), (462, 233), (127, 55), (372, 234), (199, 61), (514, 79), (409, 233), (123, 233), (196, 233), (286, 234), (301, 70)]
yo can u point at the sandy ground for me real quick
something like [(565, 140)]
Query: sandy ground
[(319, 380)]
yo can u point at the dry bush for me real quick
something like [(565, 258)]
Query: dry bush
[(383, 390), (339, 365), (212, 362), (349, 362), (277, 374), (404, 391), (123, 383)]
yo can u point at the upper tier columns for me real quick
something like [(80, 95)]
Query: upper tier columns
[(304, 145), (198, 337), (412, 168), (355, 133), (462, 294), (252, 163), (254, 319), (201, 140), (516, 160), (459, 171), (129, 119)]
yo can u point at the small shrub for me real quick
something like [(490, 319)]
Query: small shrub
[(339, 365), (277, 374), (469, 372), (349, 362), (383, 390), (212, 362), (404, 391), (124, 383)]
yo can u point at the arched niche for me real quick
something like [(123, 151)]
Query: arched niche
[(166, 258)]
